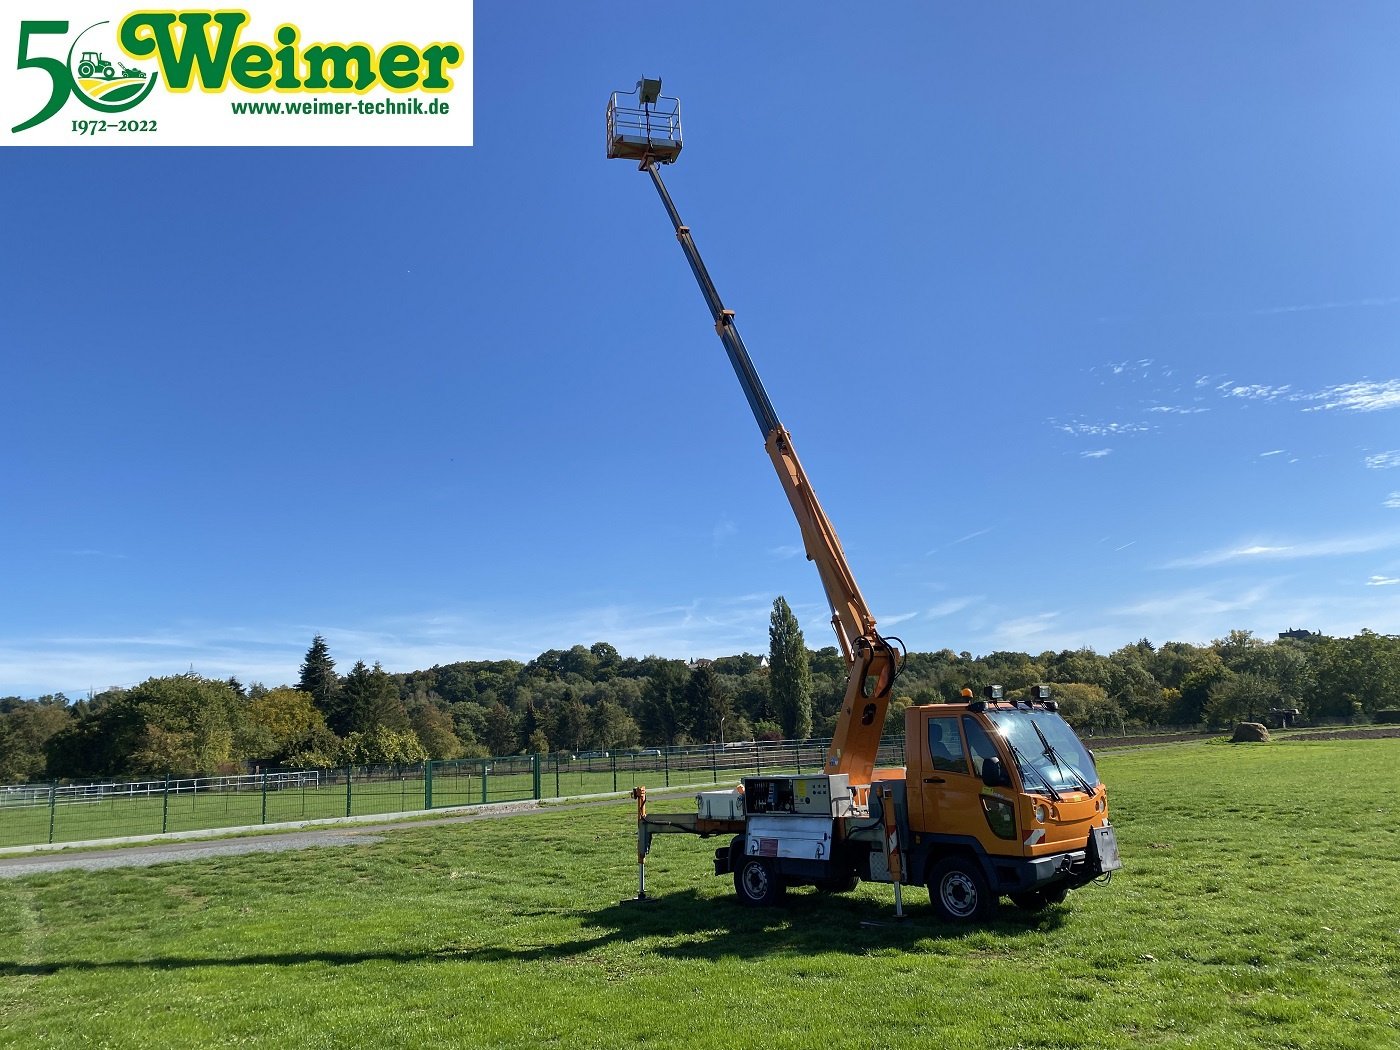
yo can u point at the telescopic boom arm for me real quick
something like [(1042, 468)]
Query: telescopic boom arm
[(869, 657)]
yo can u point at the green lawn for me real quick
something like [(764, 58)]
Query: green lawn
[(1258, 908)]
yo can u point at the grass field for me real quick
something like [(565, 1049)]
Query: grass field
[(1258, 908)]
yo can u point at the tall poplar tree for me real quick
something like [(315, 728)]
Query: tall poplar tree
[(789, 676)]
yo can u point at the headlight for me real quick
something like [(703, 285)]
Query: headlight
[(1041, 813), (1100, 805)]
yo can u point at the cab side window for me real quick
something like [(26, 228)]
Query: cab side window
[(945, 745), (979, 744)]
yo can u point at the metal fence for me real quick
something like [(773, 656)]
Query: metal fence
[(71, 812)]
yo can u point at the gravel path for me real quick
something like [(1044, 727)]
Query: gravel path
[(201, 849)]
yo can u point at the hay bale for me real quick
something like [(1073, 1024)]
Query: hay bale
[(1250, 733)]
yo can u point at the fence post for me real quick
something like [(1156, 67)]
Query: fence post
[(428, 785), (264, 798), (485, 772), (557, 791), (666, 756), (165, 806), (714, 765), (797, 754), (53, 806), (614, 765), (537, 762), (348, 772)]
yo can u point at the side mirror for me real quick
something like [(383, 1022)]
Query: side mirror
[(993, 775)]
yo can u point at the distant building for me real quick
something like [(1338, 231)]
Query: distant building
[(1299, 635)]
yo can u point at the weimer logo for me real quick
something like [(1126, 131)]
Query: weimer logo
[(88, 75), (291, 72)]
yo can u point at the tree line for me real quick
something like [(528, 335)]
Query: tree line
[(591, 698)]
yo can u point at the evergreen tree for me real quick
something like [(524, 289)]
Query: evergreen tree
[(789, 676), (369, 700), (318, 678), (708, 704), (662, 711)]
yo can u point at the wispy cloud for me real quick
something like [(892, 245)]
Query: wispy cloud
[(1253, 391), (724, 528), (951, 606), (1272, 452), (972, 535), (1083, 429), (1179, 410), (890, 621), (1097, 453), (786, 550), (1383, 460), (1383, 581), (1393, 500), (1323, 548), (1365, 396), (1346, 304)]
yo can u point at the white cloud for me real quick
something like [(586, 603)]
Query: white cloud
[(1100, 429), (890, 621), (1097, 453), (1272, 452), (951, 606), (1253, 391), (971, 536), (1382, 581), (1324, 548), (787, 550), (724, 528), (1383, 460), (1393, 500), (1179, 410), (1365, 396), (1346, 304)]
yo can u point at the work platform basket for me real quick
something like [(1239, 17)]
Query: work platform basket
[(644, 125)]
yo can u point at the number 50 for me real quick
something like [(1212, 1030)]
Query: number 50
[(57, 71)]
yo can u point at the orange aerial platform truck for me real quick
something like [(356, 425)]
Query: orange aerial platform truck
[(998, 798)]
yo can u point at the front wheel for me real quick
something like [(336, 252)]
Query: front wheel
[(958, 890), (757, 884)]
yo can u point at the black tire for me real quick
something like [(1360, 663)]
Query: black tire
[(757, 883), (958, 891), (86, 69), (1039, 900)]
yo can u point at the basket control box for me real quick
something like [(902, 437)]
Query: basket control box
[(815, 795)]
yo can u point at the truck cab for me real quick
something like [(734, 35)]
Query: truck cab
[(1002, 799)]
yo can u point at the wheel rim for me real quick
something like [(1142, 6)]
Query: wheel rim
[(755, 881), (958, 893)]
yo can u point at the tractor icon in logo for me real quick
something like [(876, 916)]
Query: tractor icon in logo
[(94, 65), (101, 84)]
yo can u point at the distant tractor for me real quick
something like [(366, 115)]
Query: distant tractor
[(94, 65)]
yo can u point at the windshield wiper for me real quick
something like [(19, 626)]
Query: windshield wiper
[(1025, 765), (1061, 765)]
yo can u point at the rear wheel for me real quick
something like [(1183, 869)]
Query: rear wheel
[(958, 890), (86, 69), (757, 883)]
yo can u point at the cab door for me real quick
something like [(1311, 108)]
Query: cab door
[(946, 799)]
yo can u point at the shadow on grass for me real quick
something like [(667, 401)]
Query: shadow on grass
[(684, 925)]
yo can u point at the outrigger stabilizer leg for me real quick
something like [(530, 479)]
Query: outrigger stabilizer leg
[(643, 848)]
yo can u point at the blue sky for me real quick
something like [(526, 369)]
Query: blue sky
[(1083, 319)]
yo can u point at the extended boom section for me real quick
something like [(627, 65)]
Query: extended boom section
[(869, 657)]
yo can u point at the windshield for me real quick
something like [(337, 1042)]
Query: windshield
[(1018, 727)]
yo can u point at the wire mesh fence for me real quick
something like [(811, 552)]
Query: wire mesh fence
[(32, 814)]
